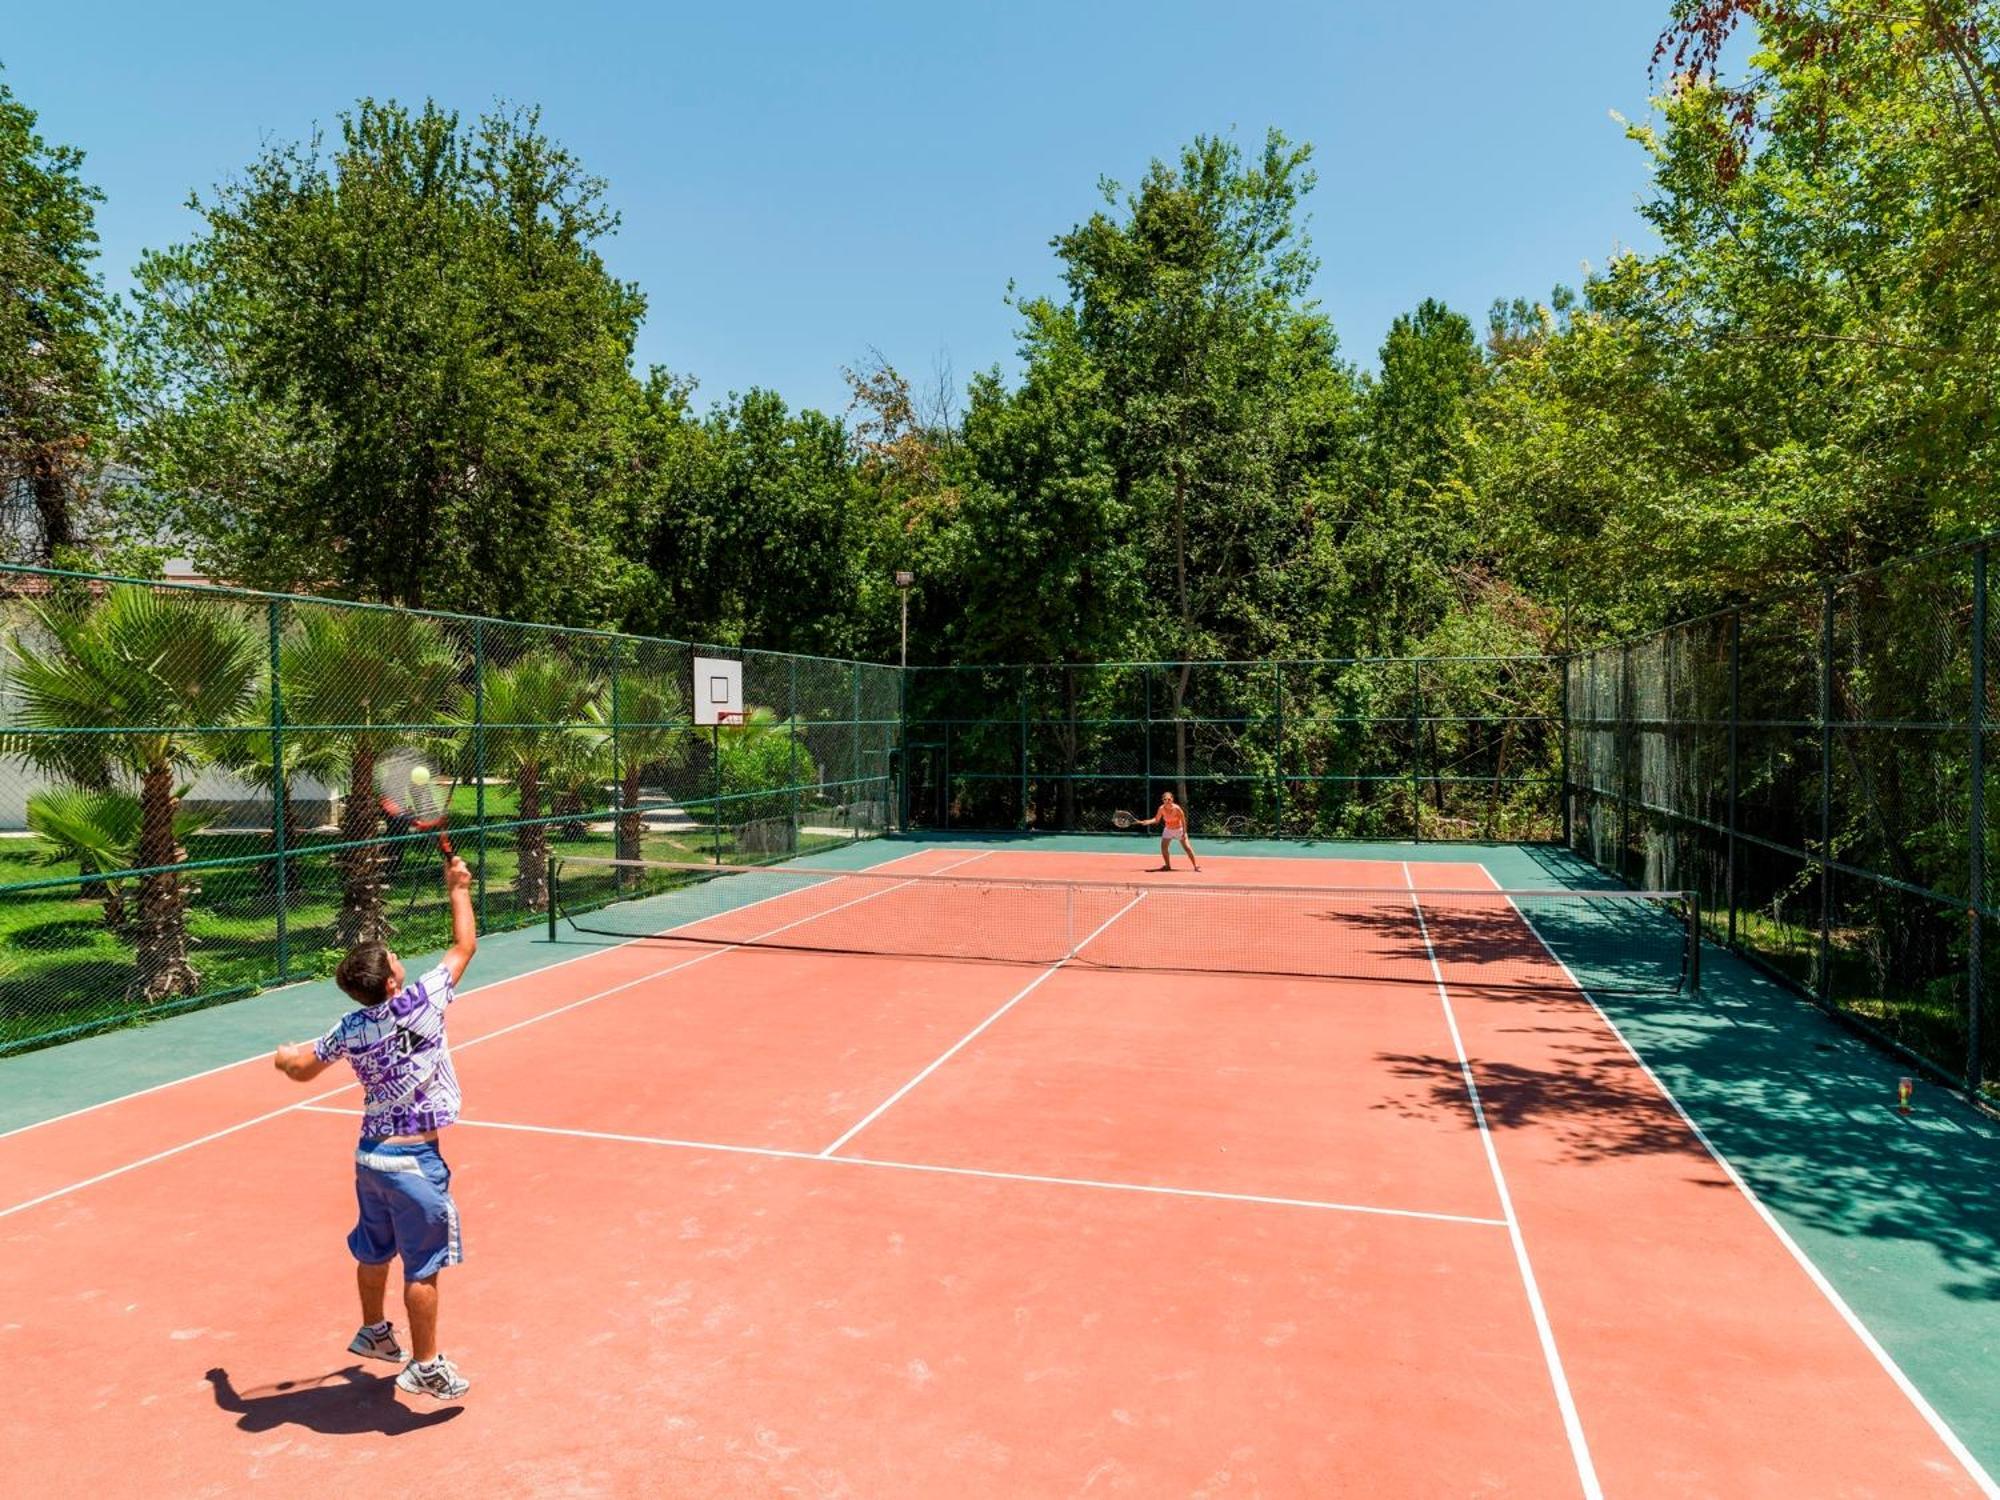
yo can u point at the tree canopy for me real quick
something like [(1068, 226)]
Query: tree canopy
[(53, 394), (392, 364)]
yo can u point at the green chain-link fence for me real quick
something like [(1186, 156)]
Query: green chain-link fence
[(192, 780), (190, 777), (1446, 748), (1817, 767)]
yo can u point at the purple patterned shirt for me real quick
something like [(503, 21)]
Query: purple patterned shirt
[(399, 1051)]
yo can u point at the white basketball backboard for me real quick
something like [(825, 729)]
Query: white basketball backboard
[(718, 689)]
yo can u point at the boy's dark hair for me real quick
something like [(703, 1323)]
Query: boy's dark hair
[(364, 973)]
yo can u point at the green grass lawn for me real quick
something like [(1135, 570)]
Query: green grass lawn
[(63, 970)]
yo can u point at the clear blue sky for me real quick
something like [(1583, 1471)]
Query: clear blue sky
[(802, 182)]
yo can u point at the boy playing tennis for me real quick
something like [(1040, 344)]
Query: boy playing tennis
[(396, 1044), (1172, 818)]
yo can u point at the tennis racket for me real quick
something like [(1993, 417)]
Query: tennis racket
[(414, 799), (1123, 820), (431, 813)]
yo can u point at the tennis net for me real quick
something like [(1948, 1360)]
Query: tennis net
[(1610, 941)]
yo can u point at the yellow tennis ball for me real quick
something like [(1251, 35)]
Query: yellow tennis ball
[(420, 776)]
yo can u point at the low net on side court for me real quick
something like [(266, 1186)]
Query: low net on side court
[(1611, 942)]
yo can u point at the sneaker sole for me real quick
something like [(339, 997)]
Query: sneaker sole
[(387, 1356), (423, 1390)]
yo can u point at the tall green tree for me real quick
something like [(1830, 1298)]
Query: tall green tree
[(396, 365), (1805, 377), (760, 531), (1228, 409), (53, 396), (1409, 531)]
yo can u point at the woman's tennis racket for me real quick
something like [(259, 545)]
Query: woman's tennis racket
[(1123, 820)]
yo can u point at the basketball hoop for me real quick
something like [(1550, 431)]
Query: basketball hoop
[(726, 718)]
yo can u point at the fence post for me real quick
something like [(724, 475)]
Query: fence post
[(715, 791), (1416, 752), (1975, 975), (792, 753), (479, 756), (903, 750), (1625, 738), (1278, 750), (1735, 718), (617, 771), (1824, 979), (1593, 756), (1021, 702), (1146, 687), (281, 791), (1568, 817)]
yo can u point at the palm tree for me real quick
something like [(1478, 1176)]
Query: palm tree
[(248, 754), (649, 732), (359, 683), (155, 666), (100, 831), (536, 717)]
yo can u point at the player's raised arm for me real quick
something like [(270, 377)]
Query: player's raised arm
[(464, 934)]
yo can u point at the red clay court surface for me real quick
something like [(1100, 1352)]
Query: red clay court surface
[(748, 1222)]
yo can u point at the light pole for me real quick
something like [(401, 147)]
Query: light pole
[(904, 578), (903, 581)]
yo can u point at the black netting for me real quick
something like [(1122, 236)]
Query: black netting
[(1811, 765)]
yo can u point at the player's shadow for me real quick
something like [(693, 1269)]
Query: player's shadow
[(340, 1403)]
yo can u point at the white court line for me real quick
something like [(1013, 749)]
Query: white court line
[(1043, 852), (1020, 995), (1903, 1383), (882, 1163), (686, 963), (467, 993), (1586, 1471)]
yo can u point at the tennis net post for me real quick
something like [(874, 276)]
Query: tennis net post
[(1694, 941)]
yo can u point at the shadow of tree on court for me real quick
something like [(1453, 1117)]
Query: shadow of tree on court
[(341, 1403), (1802, 1107), (1591, 1100), (1488, 939)]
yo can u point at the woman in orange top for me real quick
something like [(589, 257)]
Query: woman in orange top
[(1172, 818)]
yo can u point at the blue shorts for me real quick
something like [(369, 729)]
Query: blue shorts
[(404, 1192)]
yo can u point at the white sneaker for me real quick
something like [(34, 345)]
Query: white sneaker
[(437, 1379), (377, 1342)]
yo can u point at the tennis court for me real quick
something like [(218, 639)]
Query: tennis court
[(984, 1171)]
